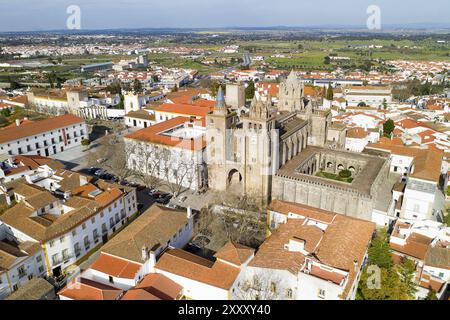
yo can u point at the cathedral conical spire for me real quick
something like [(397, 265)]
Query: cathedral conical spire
[(292, 76), (220, 99)]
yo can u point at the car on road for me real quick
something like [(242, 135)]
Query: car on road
[(92, 170), (155, 193), (99, 172), (172, 206), (164, 199), (106, 176)]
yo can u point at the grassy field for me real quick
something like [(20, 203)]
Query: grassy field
[(311, 54)]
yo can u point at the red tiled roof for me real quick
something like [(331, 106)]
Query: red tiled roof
[(185, 109), (153, 135), (85, 289), (37, 127), (115, 266)]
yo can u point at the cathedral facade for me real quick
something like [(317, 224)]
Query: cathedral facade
[(246, 151)]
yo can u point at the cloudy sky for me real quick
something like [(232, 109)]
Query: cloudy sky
[(31, 15)]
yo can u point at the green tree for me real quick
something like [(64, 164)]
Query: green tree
[(214, 88), (330, 93), (388, 128), (250, 90), (137, 86), (379, 251), (391, 286), (5, 112), (431, 295), (121, 104), (406, 271), (13, 84), (114, 88)]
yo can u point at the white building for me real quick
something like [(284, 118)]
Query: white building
[(44, 137), (127, 259), (422, 171), (16, 167), (370, 95), (19, 262), (173, 151), (312, 254), (204, 279), (140, 119), (66, 214), (426, 244)]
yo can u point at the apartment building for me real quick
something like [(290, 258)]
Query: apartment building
[(311, 254), (19, 263), (66, 213), (125, 268), (203, 279), (172, 151), (426, 244), (16, 167), (422, 172), (45, 137)]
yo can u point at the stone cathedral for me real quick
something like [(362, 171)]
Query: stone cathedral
[(245, 151), (288, 152)]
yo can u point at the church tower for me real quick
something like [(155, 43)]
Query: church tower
[(219, 134), (291, 94)]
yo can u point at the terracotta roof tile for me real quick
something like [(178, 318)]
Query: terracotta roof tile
[(37, 127)]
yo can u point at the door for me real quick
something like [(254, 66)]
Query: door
[(46, 152), (57, 272)]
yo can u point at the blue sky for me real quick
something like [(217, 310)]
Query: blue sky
[(26, 15)]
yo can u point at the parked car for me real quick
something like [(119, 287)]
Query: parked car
[(99, 172), (164, 199), (172, 206), (101, 160), (92, 170), (107, 176), (182, 199)]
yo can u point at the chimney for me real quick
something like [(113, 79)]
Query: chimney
[(152, 261), (189, 212), (144, 253), (17, 122), (355, 263)]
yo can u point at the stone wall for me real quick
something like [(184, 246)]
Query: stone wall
[(323, 196)]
